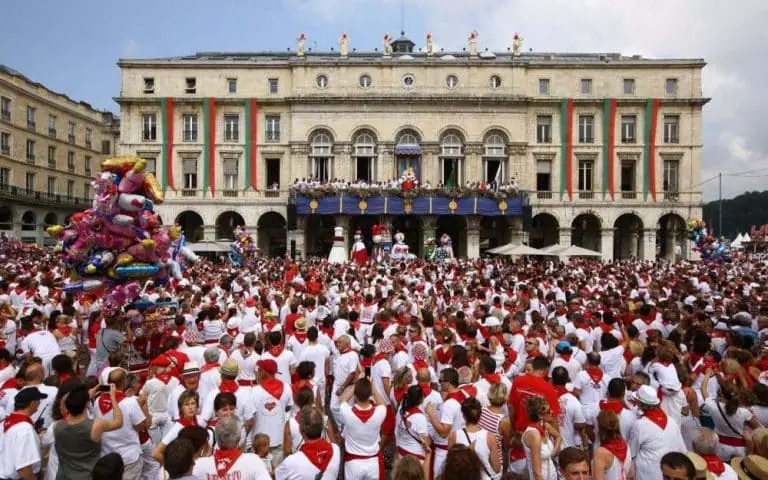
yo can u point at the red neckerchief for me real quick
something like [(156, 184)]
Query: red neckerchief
[(605, 327), (714, 464), (228, 386), (425, 388), (615, 406), (276, 351), (584, 326), (419, 364), (617, 446), (301, 337), (400, 348), (517, 331), (492, 378), (273, 387), (399, 393), (224, 459), (534, 354), (657, 416), (164, 377), (648, 319), (469, 390), (318, 452), (380, 356), (11, 383), (762, 365), (560, 390), (209, 366), (232, 332), (560, 312), (444, 356), (185, 422), (66, 331), (412, 411), (458, 395), (346, 350), (363, 415), (105, 403), (64, 377), (366, 362), (510, 360), (538, 426), (14, 419), (180, 330), (595, 374), (327, 330), (566, 357), (417, 338), (298, 385)]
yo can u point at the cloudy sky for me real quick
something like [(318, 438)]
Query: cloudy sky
[(73, 46)]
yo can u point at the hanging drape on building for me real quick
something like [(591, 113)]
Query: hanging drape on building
[(453, 165), (251, 144), (566, 148), (209, 148), (166, 106), (609, 142), (649, 167)]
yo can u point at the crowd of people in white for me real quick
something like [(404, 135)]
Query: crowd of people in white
[(470, 369)]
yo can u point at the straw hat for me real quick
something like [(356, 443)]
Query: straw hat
[(230, 368), (700, 465), (301, 324), (751, 467)]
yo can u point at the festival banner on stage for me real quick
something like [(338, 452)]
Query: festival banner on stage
[(395, 205)]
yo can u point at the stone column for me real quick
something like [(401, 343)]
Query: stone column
[(649, 244), (516, 234), (686, 249), (297, 165), (209, 233), (606, 243), (430, 163), (342, 163), (473, 168), (565, 236), (39, 234), (299, 236), (473, 236), (385, 163), (670, 241)]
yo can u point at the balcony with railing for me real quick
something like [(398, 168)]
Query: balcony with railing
[(52, 132), (548, 198), (227, 195), (31, 158), (5, 115), (31, 125), (5, 150), (23, 195), (71, 138)]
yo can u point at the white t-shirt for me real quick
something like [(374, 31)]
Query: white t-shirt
[(317, 354), (247, 364), (213, 330), (244, 401), (450, 414), (158, 394), (298, 467), (209, 381), (176, 427), (285, 361), (362, 438), (248, 466), (381, 369), (19, 448), (571, 414), (125, 440), (46, 405), (343, 365), (270, 412), (10, 336), (196, 353), (409, 431), (41, 344), (590, 391)]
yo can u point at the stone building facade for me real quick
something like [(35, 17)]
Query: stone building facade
[(50, 147), (607, 146)]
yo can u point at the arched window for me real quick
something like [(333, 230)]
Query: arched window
[(408, 138), (451, 156), (321, 156), (495, 157), (364, 152)]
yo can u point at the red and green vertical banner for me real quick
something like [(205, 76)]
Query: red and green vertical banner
[(649, 163), (566, 148), (209, 148), (609, 142), (251, 144), (166, 106)]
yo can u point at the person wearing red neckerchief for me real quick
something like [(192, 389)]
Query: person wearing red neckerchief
[(612, 460), (486, 370), (363, 457), (540, 439), (705, 444), (229, 371), (572, 423), (157, 390), (531, 384), (317, 458), (188, 405), (19, 443), (190, 380), (272, 400), (448, 418), (229, 461), (285, 359)]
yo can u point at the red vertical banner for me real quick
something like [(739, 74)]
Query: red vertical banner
[(569, 148), (611, 146), (654, 121), (212, 144), (254, 144)]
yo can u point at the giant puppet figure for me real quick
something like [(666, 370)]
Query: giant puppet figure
[(358, 254), (382, 241), (339, 249), (400, 250), (444, 252)]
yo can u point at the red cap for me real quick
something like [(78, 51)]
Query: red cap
[(251, 302), (268, 365), (160, 361)]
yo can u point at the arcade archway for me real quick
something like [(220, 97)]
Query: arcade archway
[(545, 230), (226, 224), (628, 239), (672, 236), (192, 225), (6, 218), (494, 232), (585, 232), (272, 234), (50, 219), (28, 221), (319, 235), (456, 227)]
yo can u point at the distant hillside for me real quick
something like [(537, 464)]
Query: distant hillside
[(740, 213)]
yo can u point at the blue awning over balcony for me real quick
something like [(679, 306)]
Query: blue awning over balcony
[(407, 149), (396, 205)]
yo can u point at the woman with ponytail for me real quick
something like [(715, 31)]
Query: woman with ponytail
[(730, 418), (411, 433)]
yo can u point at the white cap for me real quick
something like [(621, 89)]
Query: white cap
[(492, 322), (647, 395)]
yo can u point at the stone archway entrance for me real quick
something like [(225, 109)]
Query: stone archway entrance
[(456, 227), (494, 232), (628, 239), (272, 234), (585, 232), (671, 240), (226, 224), (545, 230), (320, 235), (191, 224)]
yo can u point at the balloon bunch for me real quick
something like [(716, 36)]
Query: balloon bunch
[(709, 247), (119, 241), (243, 248)]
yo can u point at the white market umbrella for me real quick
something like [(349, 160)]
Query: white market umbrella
[(520, 250), (746, 238), (576, 251), (552, 249)]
